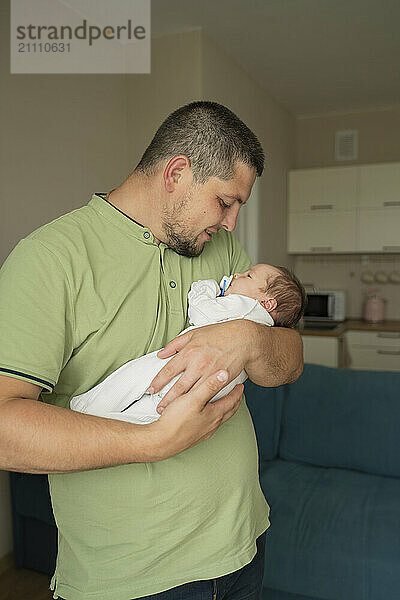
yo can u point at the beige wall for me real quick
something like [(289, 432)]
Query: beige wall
[(344, 273), (175, 80), (378, 137), (63, 137), (225, 81), (378, 140)]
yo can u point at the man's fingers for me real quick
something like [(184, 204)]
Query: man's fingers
[(203, 392), (206, 390), (164, 376), (174, 346), (183, 385)]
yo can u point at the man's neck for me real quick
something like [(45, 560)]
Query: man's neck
[(134, 198)]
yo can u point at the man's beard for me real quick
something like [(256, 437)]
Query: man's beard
[(181, 242), (178, 237)]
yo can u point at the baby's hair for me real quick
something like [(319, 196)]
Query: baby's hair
[(290, 296)]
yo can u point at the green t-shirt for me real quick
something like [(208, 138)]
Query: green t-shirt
[(79, 297)]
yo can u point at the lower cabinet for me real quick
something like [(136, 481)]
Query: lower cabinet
[(321, 350), (369, 350), (373, 350)]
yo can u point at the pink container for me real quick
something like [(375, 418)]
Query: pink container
[(374, 309)]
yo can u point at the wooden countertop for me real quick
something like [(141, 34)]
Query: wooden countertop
[(352, 324)]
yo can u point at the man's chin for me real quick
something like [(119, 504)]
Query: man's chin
[(190, 251), (197, 250)]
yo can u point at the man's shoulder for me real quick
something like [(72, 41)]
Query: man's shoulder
[(70, 222), (65, 234)]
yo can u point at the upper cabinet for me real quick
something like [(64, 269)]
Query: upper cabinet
[(322, 190), (379, 186), (344, 209), (379, 208)]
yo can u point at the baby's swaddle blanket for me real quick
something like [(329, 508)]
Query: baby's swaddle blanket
[(123, 394)]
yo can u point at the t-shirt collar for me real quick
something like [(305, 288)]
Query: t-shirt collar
[(99, 203)]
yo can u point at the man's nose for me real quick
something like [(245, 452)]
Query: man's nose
[(230, 218)]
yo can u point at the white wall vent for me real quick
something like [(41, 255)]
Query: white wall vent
[(346, 144)]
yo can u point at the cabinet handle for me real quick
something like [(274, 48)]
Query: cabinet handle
[(321, 206), (392, 203), (321, 249), (391, 248), (389, 335), (389, 352)]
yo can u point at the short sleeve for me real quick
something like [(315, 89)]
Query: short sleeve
[(36, 317), (240, 259)]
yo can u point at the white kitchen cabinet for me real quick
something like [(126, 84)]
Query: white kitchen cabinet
[(379, 185), (344, 209), (321, 350), (373, 350), (305, 189), (322, 210), (323, 190), (379, 230), (319, 234)]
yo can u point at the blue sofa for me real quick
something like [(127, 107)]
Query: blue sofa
[(329, 448)]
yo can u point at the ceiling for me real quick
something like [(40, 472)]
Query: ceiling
[(313, 56)]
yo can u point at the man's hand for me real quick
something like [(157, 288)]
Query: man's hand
[(271, 356), (192, 419), (201, 352)]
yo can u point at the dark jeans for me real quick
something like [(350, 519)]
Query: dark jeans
[(244, 584)]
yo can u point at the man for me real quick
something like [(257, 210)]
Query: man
[(173, 508)]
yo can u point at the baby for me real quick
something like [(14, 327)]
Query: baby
[(265, 294)]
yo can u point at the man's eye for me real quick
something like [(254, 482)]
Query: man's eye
[(223, 204)]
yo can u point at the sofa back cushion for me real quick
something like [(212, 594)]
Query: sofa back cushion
[(343, 418), (265, 406)]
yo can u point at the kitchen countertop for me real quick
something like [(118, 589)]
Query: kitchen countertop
[(352, 324)]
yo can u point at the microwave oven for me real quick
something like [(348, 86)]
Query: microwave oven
[(325, 305)]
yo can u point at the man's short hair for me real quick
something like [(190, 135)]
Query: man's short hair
[(211, 136), (290, 295)]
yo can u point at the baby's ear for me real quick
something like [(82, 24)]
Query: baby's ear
[(269, 304)]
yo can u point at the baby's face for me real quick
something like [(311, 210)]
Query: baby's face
[(250, 282)]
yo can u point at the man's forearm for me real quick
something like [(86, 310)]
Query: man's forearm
[(277, 356), (40, 438)]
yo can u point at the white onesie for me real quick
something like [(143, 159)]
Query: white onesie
[(123, 394)]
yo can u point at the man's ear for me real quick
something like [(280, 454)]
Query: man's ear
[(176, 169), (269, 304)]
